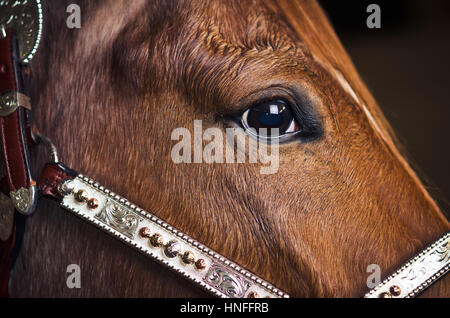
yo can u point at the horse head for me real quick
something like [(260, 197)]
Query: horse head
[(111, 94)]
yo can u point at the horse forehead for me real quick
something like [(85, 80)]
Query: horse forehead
[(241, 23), (104, 20)]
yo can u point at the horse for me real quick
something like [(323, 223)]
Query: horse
[(109, 95)]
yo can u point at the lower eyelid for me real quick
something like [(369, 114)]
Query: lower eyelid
[(293, 127)]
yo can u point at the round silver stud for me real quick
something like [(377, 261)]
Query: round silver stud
[(65, 187), (188, 258), (81, 196), (172, 249), (156, 240)]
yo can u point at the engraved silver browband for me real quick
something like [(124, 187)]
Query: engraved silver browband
[(418, 274), (153, 237)]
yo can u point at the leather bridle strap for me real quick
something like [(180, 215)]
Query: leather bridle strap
[(15, 139), (15, 124)]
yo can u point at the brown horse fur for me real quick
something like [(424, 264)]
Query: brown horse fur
[(109, 95)]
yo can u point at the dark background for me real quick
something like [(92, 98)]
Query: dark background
[(406, 65)]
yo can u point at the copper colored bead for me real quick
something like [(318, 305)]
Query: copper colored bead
[(395, 290), (156, 240), (92, 203), (81, 196), (188, 258), (385, 295), (3, 68), (145, 232), (253, 295), (200, 264)]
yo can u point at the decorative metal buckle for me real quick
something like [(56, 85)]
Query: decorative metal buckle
[(24, 200), (25, 18), (10, 101)]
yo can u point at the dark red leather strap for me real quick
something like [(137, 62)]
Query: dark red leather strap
[(52, 175), (13, 127), (5, 262)]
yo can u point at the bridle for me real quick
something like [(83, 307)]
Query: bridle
[(20, 32)]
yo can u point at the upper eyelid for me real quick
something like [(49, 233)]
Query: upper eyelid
[(259, 97), (236, 116), (276, 92)]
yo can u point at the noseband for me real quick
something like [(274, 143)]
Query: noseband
[(20, 32)]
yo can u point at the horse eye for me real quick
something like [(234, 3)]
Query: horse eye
[(267, 115)]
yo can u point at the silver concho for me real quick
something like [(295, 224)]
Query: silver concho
[(25, 17), (24, 199), (10, 101)]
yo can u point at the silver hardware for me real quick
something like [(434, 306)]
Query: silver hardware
[(123, 220), (25, 18), (188, 258), (51, 148), (419, 273), (65, 187), (81, 195), (2, 31), (24, 200), (119, 218), (231, 284), (10, 101), (172, 249)]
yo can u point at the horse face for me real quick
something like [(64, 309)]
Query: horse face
[(340, 198)]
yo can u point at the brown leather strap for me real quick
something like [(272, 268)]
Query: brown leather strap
[(15, 134), (13, 128)]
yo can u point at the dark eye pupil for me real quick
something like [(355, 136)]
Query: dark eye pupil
[(273, 114), (270, 120)]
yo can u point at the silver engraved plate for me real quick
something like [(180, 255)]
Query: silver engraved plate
[(162, 242), (119, 218), (418, 274), (25, 18), (231, 284)]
